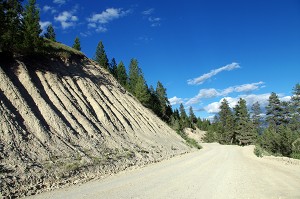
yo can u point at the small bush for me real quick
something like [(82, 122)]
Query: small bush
[(295, 155), (258, 151)]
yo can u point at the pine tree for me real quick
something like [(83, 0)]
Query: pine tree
[(101, 56), (134, 73), (164, 103), (141, 91), (244, 131), (255, 116), (121, 74), (192, 117), (154, 103), (295, 109), (50, 34), (76, 44), (113, 67), (227, 134), (184, 120), (32, 29), (274, 111), (11, 37)]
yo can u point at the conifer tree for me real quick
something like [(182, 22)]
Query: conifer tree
[(11, 37), (50, 34), (274, 111), (227, 134), (121, 74), (32, 29), (134, 73), (295, 109), (165, 106), (192, 117), (113, 67), (244, 131), (101, 56), (255, 116), (184, 120), (76, 44), (141, 91)]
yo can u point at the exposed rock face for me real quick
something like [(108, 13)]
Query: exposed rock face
[(64, 122)]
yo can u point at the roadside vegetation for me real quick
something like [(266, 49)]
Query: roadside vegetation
[(275, 133)]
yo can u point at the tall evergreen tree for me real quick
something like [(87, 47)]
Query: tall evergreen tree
[(32, 29), (113, 67), (165, 106), (255, 116), (141, 91), (50, 34), (274, 111), (227, 123), (121, 74), (154, 102), (101, 56), (184, 120), (244, 131), (134, 73), (295, 109), (11, 37), (192, 116), (76, 44)]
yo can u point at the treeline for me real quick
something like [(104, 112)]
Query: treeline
[(20, 31), (276, 132)]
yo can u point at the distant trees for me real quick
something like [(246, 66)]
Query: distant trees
[(76, 44), (279, 133), (50, 34)]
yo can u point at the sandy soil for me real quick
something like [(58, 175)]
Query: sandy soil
[(216, 171)]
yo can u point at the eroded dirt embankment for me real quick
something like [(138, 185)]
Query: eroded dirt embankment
[(67, 121)]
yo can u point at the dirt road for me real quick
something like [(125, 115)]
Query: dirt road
[(214, 172)]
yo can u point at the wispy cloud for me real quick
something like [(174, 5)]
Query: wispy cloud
[(60, 2), (212, 92), (148, 12), (155, 21), (47, 8), (67, 19), (175, 100), (206, 76), (98, 21)]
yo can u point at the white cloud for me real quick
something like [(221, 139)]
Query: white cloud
[(155, 21), (97, 21), (204, 77), (211, 92), (108, 15), (44, 25), (60, 2), (148, 12), (175, 100), (66, 19), (47, 8)]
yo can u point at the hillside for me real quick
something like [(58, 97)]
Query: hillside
[(65, 120)]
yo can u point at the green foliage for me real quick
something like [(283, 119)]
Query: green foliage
[(31, 30), (113, 67), (11, 37), (121, 74), (244, 130), (50, 34), (76, 44), (100, 56), (258, 151), (189, 141)]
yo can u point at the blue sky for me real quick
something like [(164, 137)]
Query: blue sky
[(201, 50)]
